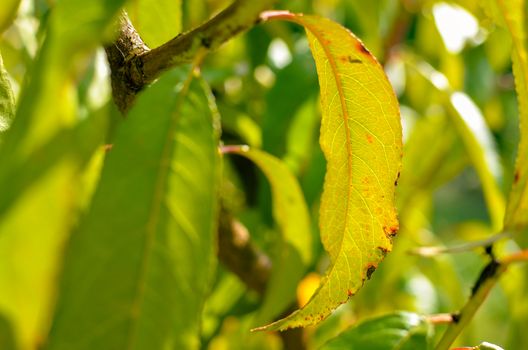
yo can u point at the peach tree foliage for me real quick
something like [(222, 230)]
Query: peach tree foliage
[(113, 218)]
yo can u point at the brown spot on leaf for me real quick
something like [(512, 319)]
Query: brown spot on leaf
[(349, 293), (390, 230), (361, 48), (516, 177), (370, 139), (397, 178), (350, 59), (370, 270), (383, 250)]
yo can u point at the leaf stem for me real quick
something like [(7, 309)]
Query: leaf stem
[(462, 248), (487, 279)]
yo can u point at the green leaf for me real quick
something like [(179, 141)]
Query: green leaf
[(32, 237), (150, 229), (515, 14), (7, 99), (156, 21), (72, 35), (291, 215), (8, 12), (7, 338), (475, 135), (423, 152), (361, 140), (78, 142), (402, 331)]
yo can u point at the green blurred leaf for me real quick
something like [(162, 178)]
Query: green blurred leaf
[(32, 237), (403, 331), (7, 100), (7, 337), (156, 21), (291, 215), (8, 12), (424, 152), (74, 30), (34, 229), (361, 139), (294, 85), (137, 271), (475, 135), (78, 142), (515, 14)]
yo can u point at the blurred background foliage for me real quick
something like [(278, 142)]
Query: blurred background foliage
[(266, 88)]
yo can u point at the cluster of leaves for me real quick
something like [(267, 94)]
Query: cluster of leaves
[(109, 225)]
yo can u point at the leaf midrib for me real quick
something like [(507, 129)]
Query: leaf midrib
[(339, 87)]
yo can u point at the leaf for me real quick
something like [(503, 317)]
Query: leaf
[(7, 338), (78, 142), (423, 152), (402, 331), (137, 271), (474, 133), (8, 12), (361, 140), (291, 215), (156, 21), (46, 106), (7, 99), (515, 14), (71, 36)]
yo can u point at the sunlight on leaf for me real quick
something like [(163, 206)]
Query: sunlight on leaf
[(361, 139), (476, 136), (291, 214), (139, 230)]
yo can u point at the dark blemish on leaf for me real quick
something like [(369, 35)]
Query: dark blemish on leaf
[(397, 178), (516, 177), (108, 147), (370, 139), (370, 271), (349, 293), (383, 251), (361, 48), (390, 230), (350, 59)]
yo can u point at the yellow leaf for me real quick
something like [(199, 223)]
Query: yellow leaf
[(515, 12), (361, 140)]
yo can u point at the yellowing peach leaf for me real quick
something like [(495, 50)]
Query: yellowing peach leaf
[(361, 140), (515, 14)]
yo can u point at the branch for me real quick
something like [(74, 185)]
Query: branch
[(237, 253), (134, 65), (240, 16), (462, 248), (253, 268), (485, 282), (127, 45)]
